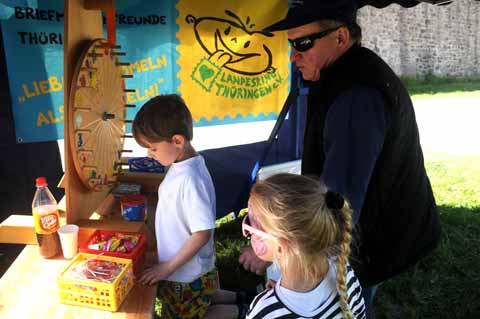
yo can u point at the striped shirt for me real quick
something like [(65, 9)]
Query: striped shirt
[(273, 304)]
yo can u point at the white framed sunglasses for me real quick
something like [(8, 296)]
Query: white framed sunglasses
[(248, 229)]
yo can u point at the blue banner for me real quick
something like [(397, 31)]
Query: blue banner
[(33, 41), (153, 34), (147, 33)]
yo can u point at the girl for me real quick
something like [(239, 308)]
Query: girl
[(306, 232)]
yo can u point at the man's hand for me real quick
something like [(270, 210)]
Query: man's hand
[(251, 262), (155, 273)]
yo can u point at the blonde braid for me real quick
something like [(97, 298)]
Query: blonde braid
[(342, 258), (299, 212)]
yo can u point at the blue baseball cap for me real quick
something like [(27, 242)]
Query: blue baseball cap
[(307, 11)]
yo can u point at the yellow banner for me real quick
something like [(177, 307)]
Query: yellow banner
[(229, 67)]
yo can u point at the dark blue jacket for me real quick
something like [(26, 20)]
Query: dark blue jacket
[(361, 139)]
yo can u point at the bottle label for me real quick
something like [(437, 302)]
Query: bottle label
[(46, 223)]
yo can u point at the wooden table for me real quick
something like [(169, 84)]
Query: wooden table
[(29, 287), (29, 290)]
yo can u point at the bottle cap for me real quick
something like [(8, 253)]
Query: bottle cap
[(41, 181)]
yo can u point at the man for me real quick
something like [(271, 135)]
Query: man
[(361, 139)]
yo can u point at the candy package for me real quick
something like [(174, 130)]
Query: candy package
[(95, 269), (120, 244), (117, 242)]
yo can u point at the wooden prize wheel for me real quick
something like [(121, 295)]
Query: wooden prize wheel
[(98, 115)]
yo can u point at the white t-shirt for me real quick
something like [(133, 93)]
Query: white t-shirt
[(186, 204)]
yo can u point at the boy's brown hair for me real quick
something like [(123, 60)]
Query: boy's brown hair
[(161, 118)]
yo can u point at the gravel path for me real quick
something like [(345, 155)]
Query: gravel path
[(449, 125)]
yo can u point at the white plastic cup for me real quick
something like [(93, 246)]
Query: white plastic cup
[(69, 240)]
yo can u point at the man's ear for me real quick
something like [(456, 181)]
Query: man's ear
[(343, 37)]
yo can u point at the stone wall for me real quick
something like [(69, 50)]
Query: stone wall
[(426, 39)]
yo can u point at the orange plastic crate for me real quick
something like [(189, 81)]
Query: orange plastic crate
[(94, 294), (137, 255)]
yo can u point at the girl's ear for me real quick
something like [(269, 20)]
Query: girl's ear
[(280, 250)]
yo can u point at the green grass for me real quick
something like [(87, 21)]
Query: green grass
[(443, 285), (228, 245), (432, 85)]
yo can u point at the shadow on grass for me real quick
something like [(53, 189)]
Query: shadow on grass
[(445, 284)]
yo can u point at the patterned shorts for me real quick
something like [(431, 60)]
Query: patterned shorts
[(187, 300)]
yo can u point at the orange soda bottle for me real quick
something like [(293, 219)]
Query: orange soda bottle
[(46, 219)]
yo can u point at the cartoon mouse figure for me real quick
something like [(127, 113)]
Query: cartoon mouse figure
[(232, 44)]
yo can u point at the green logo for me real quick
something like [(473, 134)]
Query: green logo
[(205, 73)]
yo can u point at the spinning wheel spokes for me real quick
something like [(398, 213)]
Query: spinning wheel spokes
[(98, 115)]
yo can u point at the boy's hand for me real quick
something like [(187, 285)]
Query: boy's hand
[(163, 270), (155, 273)]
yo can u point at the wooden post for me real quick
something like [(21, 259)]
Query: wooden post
[(82, 25), (98, 4)]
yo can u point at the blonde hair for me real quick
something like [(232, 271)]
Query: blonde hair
[(294, 209)]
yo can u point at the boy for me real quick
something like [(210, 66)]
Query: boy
[(185, 215)]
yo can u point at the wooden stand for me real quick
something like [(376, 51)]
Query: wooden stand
[(81, 27), (28, 288)]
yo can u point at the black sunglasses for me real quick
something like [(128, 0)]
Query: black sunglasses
[(305, 43)]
